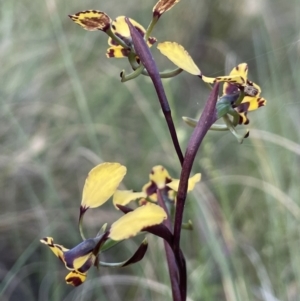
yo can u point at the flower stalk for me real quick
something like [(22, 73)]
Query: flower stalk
[(142, 50), (172, 265), (208, 117)]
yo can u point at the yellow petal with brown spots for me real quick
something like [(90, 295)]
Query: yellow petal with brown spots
[(254, 102), (162, 6), (58, 250), (240, 70), (117, 52), (92, 20), (121, 29), (234, 79), (160, 176), (238, 75), (75, 278)]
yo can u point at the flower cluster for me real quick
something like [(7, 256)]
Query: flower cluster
[(159, 180), (240, 95), (100, 185), (156, 199), (119, 40)]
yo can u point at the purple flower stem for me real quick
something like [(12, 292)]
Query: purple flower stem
[(208, 117), (172, 265), (142, 50)]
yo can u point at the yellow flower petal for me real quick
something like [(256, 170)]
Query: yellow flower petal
[(179, 56), (254, 102), (162, 6), (240, 70), (121, 29), (150, 41), (235, 79), (123, 197), (191, 184), (160, 176), (209, 80), (117, 52), (92, 20), (75, 278), (238, 75), (58, 250), (243, 118), (101, 184), (79, 262), (133, 222)]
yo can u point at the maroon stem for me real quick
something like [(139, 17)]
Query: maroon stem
[(142, 50), (172, 265), (208, 117)]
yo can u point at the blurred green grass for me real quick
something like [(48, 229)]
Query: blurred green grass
[(63, 110)]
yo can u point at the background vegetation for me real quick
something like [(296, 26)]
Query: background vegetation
[(63, 110)]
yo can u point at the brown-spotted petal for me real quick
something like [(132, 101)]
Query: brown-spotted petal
[(237, 76), (58, 250), (75, 278), (254, 102), (233, 79), (242, 110), (121, 30), (92, 20), (117, 52), (159, 178), (240, 70), (162, 6)]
